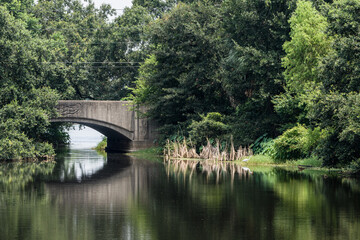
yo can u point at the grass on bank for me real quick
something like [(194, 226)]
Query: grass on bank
[(266, 160), (152, 153)]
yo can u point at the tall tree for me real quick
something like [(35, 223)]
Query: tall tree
[(337, 107), (255, 32), (25, 105), (340, 70), (183, 68), (309, 44)]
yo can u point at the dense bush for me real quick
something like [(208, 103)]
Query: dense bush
[(297, 142), (211, 126), (339, 114)]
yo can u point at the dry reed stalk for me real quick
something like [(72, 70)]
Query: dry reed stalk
[(239, 153), (193, 154), (206, 151), (224, 156), (176, 149), (183, 151), (217, 149), (232, 150)]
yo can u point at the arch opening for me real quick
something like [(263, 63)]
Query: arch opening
[(118, 139)]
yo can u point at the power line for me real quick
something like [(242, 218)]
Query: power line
[(89, 28), (98, 43), (86, 62), (60, 11), (95, 62), (113, 66)]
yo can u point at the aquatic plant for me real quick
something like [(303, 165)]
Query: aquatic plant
[(185, 149)]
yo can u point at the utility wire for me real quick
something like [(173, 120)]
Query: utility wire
[(98, 43), (83, 62), (95, 62), (88, 28), (59, 11)]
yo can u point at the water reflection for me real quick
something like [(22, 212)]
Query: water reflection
[(129, 198), (219, 170), (17, 175), (109, 202), (78, 165)]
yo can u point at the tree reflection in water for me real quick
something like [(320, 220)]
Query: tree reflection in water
[(17, 175), (139, 199)]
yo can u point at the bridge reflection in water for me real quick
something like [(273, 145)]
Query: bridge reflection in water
[(112, 186), (130, 198)]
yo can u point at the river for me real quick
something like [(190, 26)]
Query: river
[(86, 195)]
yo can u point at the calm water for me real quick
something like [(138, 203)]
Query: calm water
[(89, 196)]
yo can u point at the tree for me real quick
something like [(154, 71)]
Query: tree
[(336, 109), (118, 53), (251, 71), (308, 45), (183, 67), (25, 106), (340, 70)]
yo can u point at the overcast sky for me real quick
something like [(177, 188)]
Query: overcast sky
[(117, 4)]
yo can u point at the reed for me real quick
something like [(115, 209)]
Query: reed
[(185, 149)]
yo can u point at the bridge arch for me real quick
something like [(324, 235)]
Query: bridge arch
[(105, 128), (116, 120), (118, 138)]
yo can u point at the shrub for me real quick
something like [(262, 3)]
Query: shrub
[(354, 166), (297, 142), (211, 126), (263, 145), (101, 145)]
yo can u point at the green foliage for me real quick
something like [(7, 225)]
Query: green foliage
[(339, 114), (310, 161), (179, 79), (251, 71), (143, 92), (263, 145), (101, 145), (341, 69), (24, 126), (354, 166), (309, 43), (211, 126), (155, 7), (288, 146), (297, 142), (25, 105)]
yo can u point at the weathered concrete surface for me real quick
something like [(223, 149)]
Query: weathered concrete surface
[(117, 120)]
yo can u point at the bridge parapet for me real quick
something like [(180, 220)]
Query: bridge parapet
[(117, 120)]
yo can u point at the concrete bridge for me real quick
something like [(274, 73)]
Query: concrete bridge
[(117, 120)]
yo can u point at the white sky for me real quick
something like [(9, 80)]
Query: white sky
[(117, 4)]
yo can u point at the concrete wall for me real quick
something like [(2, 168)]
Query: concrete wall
[(118, 120)]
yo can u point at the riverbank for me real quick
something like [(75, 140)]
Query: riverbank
[(152, 153), (101, 146), (255, 162), (313, 163)]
